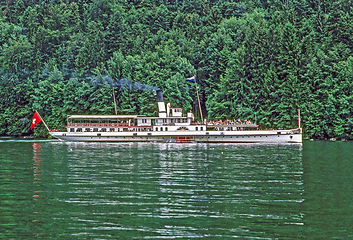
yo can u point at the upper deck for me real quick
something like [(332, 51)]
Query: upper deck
[(141, 123), (117, 123)]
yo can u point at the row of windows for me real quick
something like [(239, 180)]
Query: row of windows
[(161, 129), (149, 129), (109, 129), (93, 130), (176, 120)]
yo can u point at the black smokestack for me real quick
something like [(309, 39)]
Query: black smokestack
[(159, 95)]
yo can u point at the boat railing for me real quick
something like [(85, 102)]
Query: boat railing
[(296, 131), (233, 125)]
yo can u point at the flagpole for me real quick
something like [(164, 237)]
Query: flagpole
[(43, 121), (198, 99)]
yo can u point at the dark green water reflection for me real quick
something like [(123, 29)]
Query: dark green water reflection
[(55, 190)]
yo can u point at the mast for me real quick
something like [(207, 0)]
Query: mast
[(116, 113), (198, 99), (298, 118)]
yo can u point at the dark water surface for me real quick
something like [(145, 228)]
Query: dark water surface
[(56, 190)]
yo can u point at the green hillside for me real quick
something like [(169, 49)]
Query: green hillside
[(263, 57)]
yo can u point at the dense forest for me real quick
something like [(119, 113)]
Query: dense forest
[(264, 57)]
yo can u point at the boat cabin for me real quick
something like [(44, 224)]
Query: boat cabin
[(124, 123)]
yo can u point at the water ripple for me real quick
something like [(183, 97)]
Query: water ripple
[(137, 190)]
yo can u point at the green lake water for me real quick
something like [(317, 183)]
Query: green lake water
[(62, 190)]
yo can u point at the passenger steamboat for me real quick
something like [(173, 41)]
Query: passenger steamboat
[(169, 126)]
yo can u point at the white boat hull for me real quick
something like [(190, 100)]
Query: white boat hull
[(254, 136)]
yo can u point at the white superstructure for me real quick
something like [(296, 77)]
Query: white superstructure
[(169, 126)]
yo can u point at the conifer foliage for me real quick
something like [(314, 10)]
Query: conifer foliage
[(266, 58)]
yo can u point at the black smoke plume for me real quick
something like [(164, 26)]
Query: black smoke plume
[(122, 83)]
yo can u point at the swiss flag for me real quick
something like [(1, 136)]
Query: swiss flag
[(36, 119)]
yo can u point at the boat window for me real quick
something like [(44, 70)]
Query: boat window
[(201, 128), (112, 130), (197, 128), (103, 130), (95, 129), (87, 129), (156, 129), (161, 129), (166, 129), (72, 129), (79, 130)]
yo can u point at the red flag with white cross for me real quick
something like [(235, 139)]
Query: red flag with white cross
[(35, 120)]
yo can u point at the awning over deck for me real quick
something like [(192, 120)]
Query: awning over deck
[(101, 117)]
